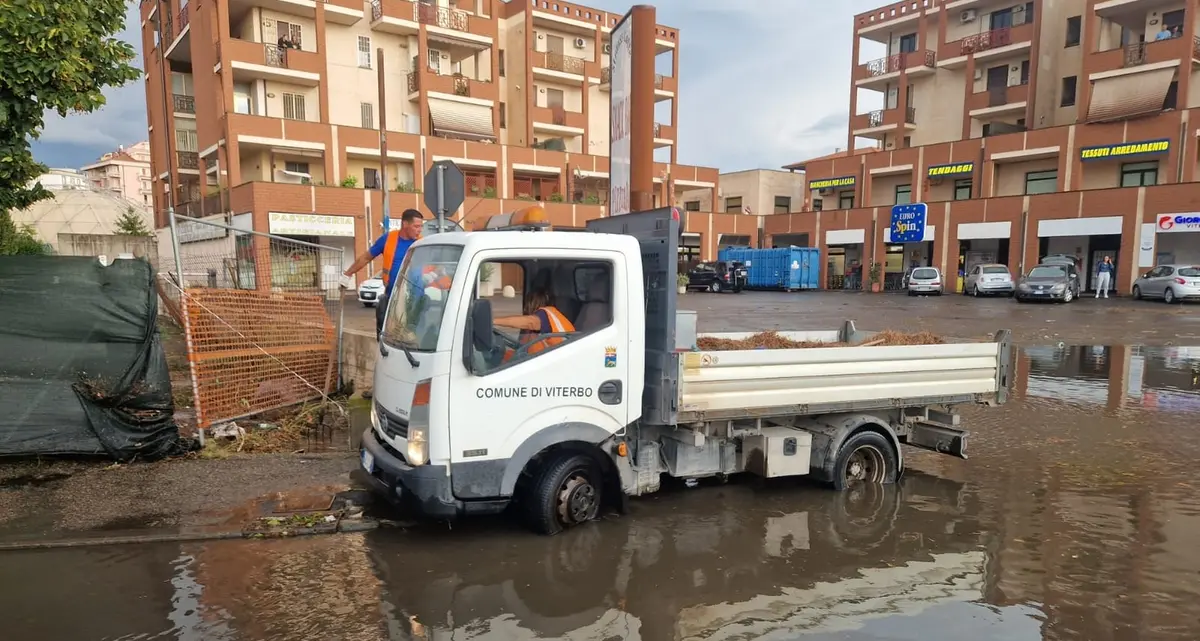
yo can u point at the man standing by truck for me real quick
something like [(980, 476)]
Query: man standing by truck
[(392, 245)]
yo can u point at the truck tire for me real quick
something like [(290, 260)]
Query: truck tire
[(566, 493), (865, 457)]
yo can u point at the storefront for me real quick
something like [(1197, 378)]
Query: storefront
[(1088, 240), (689, 251), (901, 258), (301, 266), (981, 243), (1174, 239), (845, 258)]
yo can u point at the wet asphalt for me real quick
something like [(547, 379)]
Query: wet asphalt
[(1076, 517)]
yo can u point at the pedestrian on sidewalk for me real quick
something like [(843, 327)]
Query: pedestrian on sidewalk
[(1104, 276), (392, 245)]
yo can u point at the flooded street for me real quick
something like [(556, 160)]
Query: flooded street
[(1076, 517)]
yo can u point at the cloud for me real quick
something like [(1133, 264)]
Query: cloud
[(762, 83)]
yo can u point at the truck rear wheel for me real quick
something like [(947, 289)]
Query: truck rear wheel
[(866, 457), (566, 493)]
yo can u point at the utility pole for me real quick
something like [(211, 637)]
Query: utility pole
[(383, 148), (167, 133)]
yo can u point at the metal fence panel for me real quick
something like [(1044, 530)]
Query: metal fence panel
[(262, 315)]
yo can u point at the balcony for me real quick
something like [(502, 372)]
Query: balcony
[(454, 84), (664, 135), (1153, 52), (258, 61), (606, 79), (558, 120), (398, 17), (881, 121), (557, 66), (988, 44), (187, 160), (343, 12), (184, 104), (1136, 79), (999, 101), (665, 87), (884, 70)]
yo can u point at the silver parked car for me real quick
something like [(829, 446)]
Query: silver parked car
[(989, 279), (1172, 283), (925, 280)]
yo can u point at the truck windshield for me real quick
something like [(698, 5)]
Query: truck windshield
[(414, 316)]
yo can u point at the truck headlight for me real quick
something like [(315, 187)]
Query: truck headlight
[(418, 447)]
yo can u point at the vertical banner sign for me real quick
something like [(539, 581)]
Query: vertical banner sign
[(619, 148), (908, 223)]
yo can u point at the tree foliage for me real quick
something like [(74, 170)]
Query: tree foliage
[(131, 223), (16, 240), (54, 55)]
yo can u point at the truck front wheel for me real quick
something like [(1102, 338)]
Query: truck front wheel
[(866, 457), (566, 493)]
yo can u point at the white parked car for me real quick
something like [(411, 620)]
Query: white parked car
[(925, 280), (989, 280), (370, 290)]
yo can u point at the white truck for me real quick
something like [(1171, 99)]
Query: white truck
[(471, 416)]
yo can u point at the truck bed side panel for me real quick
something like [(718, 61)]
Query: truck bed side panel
[(658, 233), (775, 382)]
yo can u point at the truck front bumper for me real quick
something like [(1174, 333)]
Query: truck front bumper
[(425, 488)]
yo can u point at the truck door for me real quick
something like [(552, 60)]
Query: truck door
[(572, 371)]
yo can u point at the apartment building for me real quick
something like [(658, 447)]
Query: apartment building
[(1029, 129), (273, 107), (125, 172)]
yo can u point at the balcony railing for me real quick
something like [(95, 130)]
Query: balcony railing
[(376, 10), (184, 104), (558, 116), (276, 56), (897, 62), (443, 17), (875, 118), (657, 130), (1196, 46), (183, 17), (560, 62), (462, 85), (986, 40), (606, 76), (659, 79), (188, 159), (1135, 54), (414, 82)]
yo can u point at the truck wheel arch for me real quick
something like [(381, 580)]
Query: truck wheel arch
[(831, 431), (587, 435)]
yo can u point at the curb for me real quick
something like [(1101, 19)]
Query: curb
[(346, 527)]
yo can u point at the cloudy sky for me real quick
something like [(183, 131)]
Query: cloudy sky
[(762, 84)]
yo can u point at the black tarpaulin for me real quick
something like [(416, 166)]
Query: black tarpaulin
[(82, 371)]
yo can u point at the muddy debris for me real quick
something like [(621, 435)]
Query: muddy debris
[(773, 340)]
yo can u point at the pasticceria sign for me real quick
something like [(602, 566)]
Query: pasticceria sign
[(1125, 149), (832, 183), (952, 169)]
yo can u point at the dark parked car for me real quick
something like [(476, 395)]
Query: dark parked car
[(719, 276), (1058, 282)]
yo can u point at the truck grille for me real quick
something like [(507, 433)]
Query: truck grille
[(393, 426)]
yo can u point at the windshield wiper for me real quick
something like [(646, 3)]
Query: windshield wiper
[(412, 360)]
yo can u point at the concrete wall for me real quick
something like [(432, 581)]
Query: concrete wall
[(359, 351), (109, 245)]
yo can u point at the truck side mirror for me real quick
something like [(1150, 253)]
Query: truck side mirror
[(479, 332)]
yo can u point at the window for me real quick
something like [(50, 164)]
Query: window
[(503, 115), (296, 167), (241, 98), (818, 204), (733, 205), (783, 204), (1024, 72), (907, 142), (1068, 91), (903, 194), (364, 52), (1172, 97), (568, 299), (1173, 21), (414, 319), (908, 43), (435, 60), (500, 62), (1074, 30), (293, 106), (1001, 19), (691, 205), (962, 189), (370, 178), (1139, 174), (846, 200), (288, 34), (368, 115), (1041, 182)]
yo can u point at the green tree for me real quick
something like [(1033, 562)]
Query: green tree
[(54, 55), (19, 240), (131, 223)]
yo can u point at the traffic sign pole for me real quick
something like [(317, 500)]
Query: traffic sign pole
[(441, 198)]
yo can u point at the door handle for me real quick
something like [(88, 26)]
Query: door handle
[(610, 392)]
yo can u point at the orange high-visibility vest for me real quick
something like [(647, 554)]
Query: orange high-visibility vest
[(389, 252), (558, 324)]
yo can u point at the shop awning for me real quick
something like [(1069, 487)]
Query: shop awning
[(1129, 95), (461, 120)]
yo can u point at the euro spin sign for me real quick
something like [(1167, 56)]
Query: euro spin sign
[(908, 223)]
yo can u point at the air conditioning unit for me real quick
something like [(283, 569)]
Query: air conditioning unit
[(968, 16), (828, 191), (580, 43), (608, 48), (979, 74)]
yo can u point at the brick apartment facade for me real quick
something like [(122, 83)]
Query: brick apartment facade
[(274, 108), (1029, 129)]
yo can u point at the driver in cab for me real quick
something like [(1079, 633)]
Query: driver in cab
[(540, 317)]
